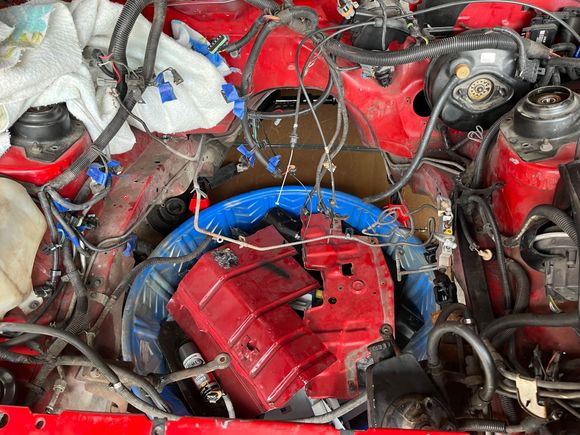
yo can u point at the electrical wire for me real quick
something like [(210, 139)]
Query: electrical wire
[(416, 161), (95, 359), (513, 2)]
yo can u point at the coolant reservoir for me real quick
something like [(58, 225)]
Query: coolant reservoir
[(22, 226)]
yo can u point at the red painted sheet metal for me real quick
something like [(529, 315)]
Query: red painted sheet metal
[(243, 309), (358, 300), (19, 420)]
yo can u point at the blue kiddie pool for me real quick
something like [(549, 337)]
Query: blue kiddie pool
[(145, 306)]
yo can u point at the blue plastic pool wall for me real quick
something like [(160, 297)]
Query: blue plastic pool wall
[(145, 305)]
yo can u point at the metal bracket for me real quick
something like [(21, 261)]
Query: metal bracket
[(528, 397), (100, 298)]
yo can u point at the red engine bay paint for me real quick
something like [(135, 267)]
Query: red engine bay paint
[(18, 420), (358, 300), (244, 309)]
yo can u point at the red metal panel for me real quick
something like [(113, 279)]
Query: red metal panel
[(384, 117), (243, 309), (19, 420), (358, 299), (16, 165)]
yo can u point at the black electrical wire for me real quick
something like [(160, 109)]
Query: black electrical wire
[(245, 88), (482, 152), (454, 44), (342, 114), (84, 206), (68, 229), (54, 239), (129, 14), (244, 40), (126, 283), (501, 259), (452, 4), (253, 114), (96, 361), (522, 58), (130, 377), (416, 161)]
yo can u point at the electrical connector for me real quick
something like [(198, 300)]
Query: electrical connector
[(218, 43)]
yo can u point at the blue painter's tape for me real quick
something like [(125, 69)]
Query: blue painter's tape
[(273, 164), (247, 154), (230, 93), (165, 88)]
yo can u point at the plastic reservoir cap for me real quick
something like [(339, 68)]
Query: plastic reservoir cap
[(22, 226)]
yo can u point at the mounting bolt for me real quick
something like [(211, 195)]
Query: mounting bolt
[(462, 71), (546, 146)]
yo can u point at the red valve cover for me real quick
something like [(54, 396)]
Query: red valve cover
[(358, 300), (236, 300)]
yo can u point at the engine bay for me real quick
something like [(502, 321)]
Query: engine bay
[(196, 235)]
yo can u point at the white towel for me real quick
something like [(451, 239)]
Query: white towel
[(54, 72)]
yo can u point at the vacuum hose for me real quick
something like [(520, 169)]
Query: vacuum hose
[(527, 320), (479, 348)]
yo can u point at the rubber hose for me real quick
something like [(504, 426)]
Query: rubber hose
[(79, 320), (265, 5), (522, 280), (517, 38), (54, 238), (18, 358), (529, 319), (449, 309), (566, 62), (564, 46), (482, 426), (416, 162), (462, 42), (342, 410), (501, 259), (479, 348), (95, 359), (549, 213), (482, 152), (509, 409), (244, 40)]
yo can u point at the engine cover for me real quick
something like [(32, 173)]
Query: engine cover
[(236, 300)]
